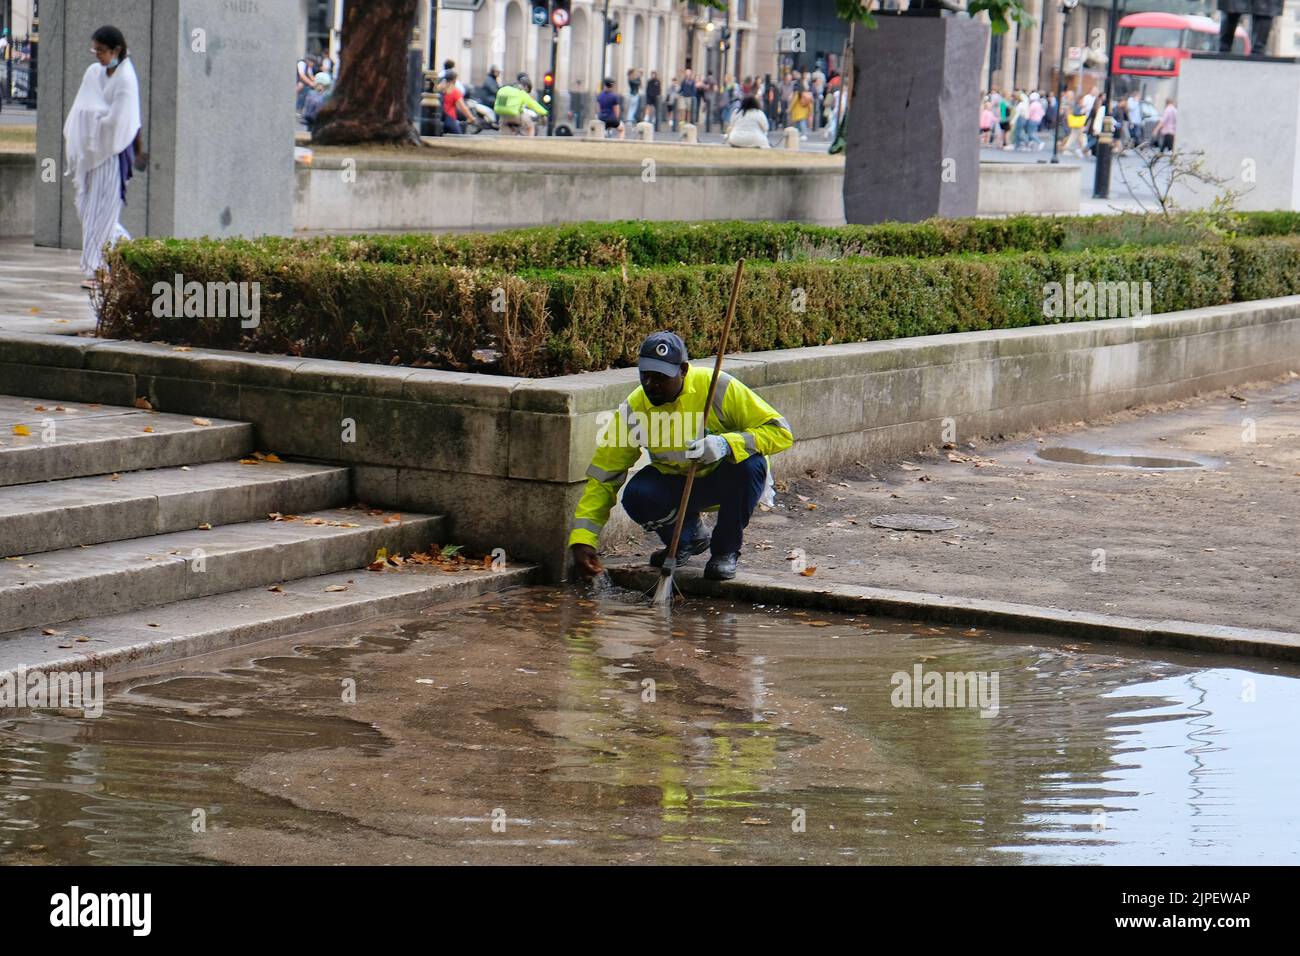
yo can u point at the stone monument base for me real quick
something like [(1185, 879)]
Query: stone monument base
[(913, 146), (1243, 116)]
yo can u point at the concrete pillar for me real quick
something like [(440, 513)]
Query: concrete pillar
[(789, 138), (689, 133), (595, 129), (645, 132)]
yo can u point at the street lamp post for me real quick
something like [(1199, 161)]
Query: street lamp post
[(1101, 180), (1067, 7)]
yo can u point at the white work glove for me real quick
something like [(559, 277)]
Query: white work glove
[(708, 449)]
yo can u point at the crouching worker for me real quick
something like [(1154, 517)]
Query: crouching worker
[(666, 416)]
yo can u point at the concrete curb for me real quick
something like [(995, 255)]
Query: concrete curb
[(975, 612)]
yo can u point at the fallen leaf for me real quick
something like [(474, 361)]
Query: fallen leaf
[(205, 526), (148, 428), (82, 640), (276, 588), (182, 348), (756, 822), (818, 623), (49, 631), (808, 571), (249, 461), (114, 477), (337, 587), (142, 402), (22, 430), (812, 506), (678, 633), (201, 421), (153, 625), (39, 408)]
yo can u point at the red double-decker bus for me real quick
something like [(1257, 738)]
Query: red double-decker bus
[(1150, 49), (1155, 44)]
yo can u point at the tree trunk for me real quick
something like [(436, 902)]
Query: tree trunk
[(369, 103)]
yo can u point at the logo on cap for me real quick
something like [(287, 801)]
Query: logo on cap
[(662, 348)]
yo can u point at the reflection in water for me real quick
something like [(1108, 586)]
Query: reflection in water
[(726, 733)]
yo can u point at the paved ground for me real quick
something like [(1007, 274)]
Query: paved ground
[(1214, 544), (40, 290)]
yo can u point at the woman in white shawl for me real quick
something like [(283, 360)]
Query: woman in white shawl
[(100, 140)]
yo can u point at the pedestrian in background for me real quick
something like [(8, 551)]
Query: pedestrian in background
[(609, 107), (653, 91), (633, 95), (306, 80), (316, 99), (749, 126), (1167, 127), (491, 83), (686, 97)]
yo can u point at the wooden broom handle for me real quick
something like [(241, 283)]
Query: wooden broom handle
[(670, 559)]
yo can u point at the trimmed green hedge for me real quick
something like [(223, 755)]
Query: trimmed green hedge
[(604, 245), (562, 321)]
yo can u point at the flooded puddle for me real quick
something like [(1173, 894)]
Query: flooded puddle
[(542, 726), (1077, 456)]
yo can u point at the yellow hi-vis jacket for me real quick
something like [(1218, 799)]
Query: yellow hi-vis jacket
[(750, 425)]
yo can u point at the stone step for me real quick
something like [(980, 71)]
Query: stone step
[(53, 515), (140, 639), (82, 440), (119, 576)]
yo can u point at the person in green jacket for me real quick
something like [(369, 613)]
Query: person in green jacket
[(730, 441), (512, 100)]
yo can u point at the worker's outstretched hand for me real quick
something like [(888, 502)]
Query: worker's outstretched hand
[(585, 560)]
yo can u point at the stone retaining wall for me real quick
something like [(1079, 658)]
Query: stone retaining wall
[(419, 195), (504, 458)]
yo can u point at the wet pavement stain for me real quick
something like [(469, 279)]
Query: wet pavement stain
[(555, 727), (1077, 456)]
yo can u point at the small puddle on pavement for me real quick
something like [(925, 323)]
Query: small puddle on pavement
[(1077, 456), (544, 726)]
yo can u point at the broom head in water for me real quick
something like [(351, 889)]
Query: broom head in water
[(663, 596)]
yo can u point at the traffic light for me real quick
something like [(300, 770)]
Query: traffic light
[(613, 34), (560, 13), (548, 89), (725, 40)]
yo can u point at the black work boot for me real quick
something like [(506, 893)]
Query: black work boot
[(685, 551), (722, 567)]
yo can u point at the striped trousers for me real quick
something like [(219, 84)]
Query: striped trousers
[(99, 204)]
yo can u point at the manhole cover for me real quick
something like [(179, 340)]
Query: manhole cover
[(915, 522), (1077, 456)]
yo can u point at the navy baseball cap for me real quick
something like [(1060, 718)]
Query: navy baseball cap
[(662, 352)]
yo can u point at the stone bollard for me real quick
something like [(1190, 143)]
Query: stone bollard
[(595, 129), (790, 138), (689, 133), (645, 132)]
